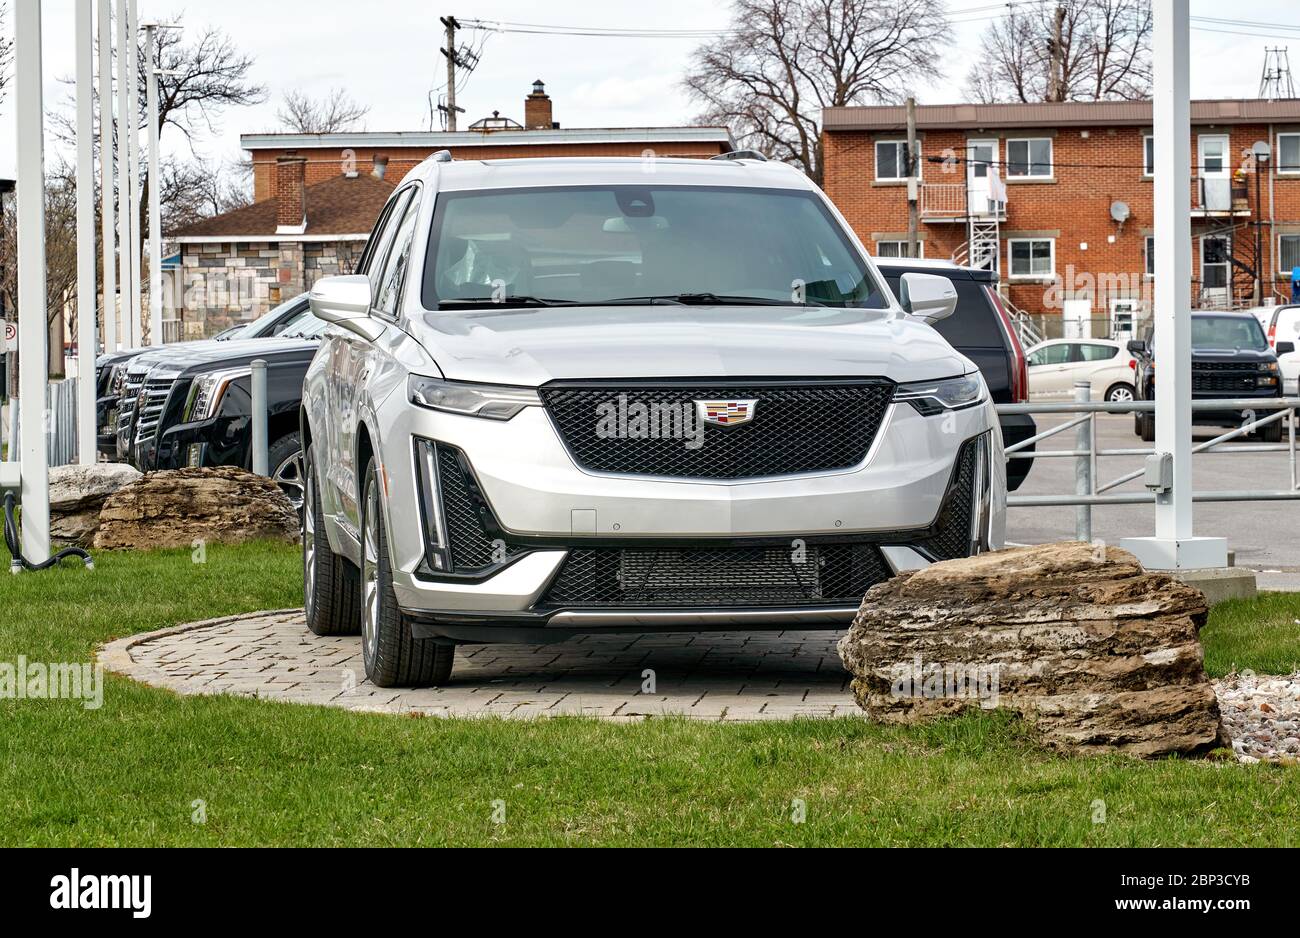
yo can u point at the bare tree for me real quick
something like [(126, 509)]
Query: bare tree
[(60, 257), (782, 61), (6, 53), (335, 113), (1103, 52)]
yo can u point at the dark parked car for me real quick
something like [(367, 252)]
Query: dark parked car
[(981, 329), (1230, 359), (193, 407), (111, 367)]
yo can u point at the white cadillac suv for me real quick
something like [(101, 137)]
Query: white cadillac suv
[(589, 395)]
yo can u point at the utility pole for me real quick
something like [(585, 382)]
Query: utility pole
[(1055, 81), (453, 60), (913, 182)]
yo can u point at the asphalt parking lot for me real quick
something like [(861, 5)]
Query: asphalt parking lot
[(1263, 534)]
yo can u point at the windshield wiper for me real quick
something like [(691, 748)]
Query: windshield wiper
[(478, 302), (706, 299)]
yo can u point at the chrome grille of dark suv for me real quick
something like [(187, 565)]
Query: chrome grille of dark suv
[(152, 400), (721, 577), (798, 427)]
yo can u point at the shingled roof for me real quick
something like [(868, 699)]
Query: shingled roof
[(342, 206)]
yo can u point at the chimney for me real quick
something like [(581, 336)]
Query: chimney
[(381, 166), (537, 108), (291, 194)]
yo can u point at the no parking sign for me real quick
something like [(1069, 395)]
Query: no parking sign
[(9, 337)]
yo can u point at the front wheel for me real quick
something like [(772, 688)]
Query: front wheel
[(392, 655), (284, 459), (1146, 427)]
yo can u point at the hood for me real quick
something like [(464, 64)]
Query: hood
[(533, 346), (1242, 356), (183, 355)]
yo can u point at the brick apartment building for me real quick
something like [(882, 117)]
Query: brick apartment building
[(317, 197), (1058, 198)]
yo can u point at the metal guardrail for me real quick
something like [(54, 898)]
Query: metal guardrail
[(1089, 492)]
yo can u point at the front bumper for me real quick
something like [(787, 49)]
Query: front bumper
[(542, 514)]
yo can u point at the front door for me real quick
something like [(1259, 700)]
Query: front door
[(981, 158), (1215, 251), (1214, 168)]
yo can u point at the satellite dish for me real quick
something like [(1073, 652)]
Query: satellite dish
[(1119, 211)]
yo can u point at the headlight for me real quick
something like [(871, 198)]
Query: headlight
[(933, 397), (207, 390), (1268, 367), (493, 401)]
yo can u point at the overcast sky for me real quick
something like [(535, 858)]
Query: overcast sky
[(385, 53)]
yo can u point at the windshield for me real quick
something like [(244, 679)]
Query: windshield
[(1228, 332), (258, 328), (588, 246)]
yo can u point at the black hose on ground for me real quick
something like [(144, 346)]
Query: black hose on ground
[(19, 562)]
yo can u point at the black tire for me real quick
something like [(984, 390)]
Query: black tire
[(1116, 392), (331, 590), (393, 657), (1271, 433), (1146, 427), (284, 460)]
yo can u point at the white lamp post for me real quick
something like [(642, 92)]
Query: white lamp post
[(106, 173), (1169, 471), (87, 334), (155, 188), (33, 328), (125, 121), (133, 168)]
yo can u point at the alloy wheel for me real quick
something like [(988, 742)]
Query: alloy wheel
[(289, 475), (1120, 396)]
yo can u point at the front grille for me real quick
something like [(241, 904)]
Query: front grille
[(796, 427), (719, 577), (150, 403), (466, 514), (1223, 378), (952, 537), (126, 404)]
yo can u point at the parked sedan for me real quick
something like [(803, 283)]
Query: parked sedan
[(1057, 365)]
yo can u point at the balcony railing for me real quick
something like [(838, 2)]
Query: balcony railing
[(1220, 197), (954, 201)]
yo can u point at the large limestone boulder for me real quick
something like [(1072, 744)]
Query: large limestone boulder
[(77, 493), (1098, 653), (176, 508)]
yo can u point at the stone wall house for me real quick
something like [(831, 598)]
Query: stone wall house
[(238, 265)]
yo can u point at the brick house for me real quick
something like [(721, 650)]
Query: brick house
[(236, 266), (492, 138), (317, 197), (1058, 198)]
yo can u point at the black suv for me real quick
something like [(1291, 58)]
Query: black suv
[(1230, 359), (981, 329)]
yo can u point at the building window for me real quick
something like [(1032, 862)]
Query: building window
[(1288, 153), (1148, 155), (1029, 159), (897, 249), (891, 160), (1288, 254), (1033, 258), (1150, 251)]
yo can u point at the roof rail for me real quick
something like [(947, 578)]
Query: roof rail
[(442, 156), (741, 155)]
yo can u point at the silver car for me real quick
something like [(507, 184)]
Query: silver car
[(602, 395)]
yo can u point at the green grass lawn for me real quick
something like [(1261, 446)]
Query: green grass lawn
[(268, 773)]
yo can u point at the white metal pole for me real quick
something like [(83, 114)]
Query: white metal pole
[(33, 328), (109, 309), (123, 183), (133, 170), (1169, 471), (155, 211), (87, 334)]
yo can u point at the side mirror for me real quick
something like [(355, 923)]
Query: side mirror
[(927, 297), (345, 301), (1137, 347), (1285, 348)]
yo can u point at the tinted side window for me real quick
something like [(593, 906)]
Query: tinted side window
[(1098, 353), (379, 242), (1053, 355), (974, 324), (399, 256), (368, 252)]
